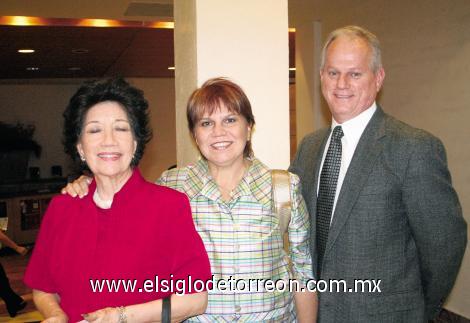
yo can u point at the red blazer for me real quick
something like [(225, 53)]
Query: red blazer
[(147, 232)]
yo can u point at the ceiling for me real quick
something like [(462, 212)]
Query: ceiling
[(110, 51), (90, 52), (128, 51)]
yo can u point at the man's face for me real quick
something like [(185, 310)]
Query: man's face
[(348, 83)]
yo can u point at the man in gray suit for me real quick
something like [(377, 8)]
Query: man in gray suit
[(380, 197)]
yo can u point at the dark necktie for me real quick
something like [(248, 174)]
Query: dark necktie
[(327, 190)]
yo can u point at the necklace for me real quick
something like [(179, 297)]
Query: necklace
[(104, 204), (228, 190)]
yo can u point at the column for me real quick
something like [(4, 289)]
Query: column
[(311, 114)]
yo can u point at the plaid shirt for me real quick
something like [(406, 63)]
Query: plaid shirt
[(243, 241)]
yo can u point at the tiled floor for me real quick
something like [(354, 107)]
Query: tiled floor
[(15, 265)]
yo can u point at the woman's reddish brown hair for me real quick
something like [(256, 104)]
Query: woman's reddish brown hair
[(214, 94)]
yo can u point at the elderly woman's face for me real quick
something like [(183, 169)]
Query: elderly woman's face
[(222, 136), (107, 142)]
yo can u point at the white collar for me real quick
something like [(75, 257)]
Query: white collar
[(353, 128)]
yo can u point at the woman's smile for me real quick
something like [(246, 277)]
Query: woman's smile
[(221, 145), (109, 156)]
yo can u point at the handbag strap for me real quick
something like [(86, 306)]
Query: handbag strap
[(281, 197), (166, 310)]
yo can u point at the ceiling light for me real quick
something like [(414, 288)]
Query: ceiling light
[(20, 20), (33, 68), (80, 51), (99, 23), (38, 21), (159, 24), (26, 51), (171, 68)]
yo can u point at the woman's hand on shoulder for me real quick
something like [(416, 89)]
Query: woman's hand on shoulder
[(78, 187), (107, 314)]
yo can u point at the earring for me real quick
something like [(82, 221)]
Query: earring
[(82, 158)]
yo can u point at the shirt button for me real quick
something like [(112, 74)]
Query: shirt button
[(235, 270), (237, 247), (238, 308)]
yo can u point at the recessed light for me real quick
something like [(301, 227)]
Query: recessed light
[(171, 68), (80, 51), (32, 68), (21, 20), (26, 51), (74, 68)]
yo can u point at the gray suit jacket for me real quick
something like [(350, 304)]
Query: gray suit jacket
[(397, 220)]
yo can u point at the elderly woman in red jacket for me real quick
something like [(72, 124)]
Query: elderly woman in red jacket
[(105, 259)]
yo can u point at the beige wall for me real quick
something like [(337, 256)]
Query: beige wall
[(42, 104), (426, 50)]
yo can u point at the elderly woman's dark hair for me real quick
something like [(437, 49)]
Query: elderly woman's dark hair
[(117, 90), (213, 94)]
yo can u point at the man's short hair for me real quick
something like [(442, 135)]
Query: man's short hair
[(356, 32)]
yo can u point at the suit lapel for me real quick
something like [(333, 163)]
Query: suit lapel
[(365, 155), (316, 172)]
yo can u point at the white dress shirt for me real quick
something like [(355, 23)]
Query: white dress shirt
[(352, 130)]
